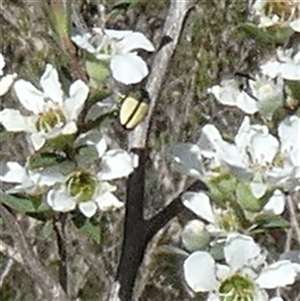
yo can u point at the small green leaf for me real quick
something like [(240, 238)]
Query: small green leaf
[(223, 188), (47, 229), (43, 160), (250, 30), (246, 199), (98, 71), (217, 251), (269, 221), (92, 231), (19, 204), (5, 136), (168, 249)]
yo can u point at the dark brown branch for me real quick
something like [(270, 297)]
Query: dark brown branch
[(39, 273), (137, 231), (134, 242), (59, 228), (173, 209)]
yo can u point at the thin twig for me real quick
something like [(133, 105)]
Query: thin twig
[(293, 216), (8, 17), (59, 228), (39, 273), (6, 271), (172, 29), (10, 252)]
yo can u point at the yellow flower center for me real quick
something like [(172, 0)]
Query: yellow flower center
[(284, 9), (53, 118), (237, 288), (82, 186), (228, 220)]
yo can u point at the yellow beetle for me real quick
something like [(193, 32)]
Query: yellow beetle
[(134, 108)]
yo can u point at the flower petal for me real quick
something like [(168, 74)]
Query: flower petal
[(128, 68), (186, 159), (200, 204), (6, 82), (277, 299), (30, 97), (37, 140), (263, 148), (290, 71), (13, 121), (82, 40), (258, 188), (88, 209), (247, 104), (69, 129), (199, 272), (295, 25), (278, 274), (134, 41), (115, 164), (101, 147), (13, 173), (289, 131), (59, 200), (241, 251), (2, 63), (107, 201), (115, 34), (78, 95), (276, 203), (51, 85)]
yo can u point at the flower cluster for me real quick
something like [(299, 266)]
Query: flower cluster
[(52, 118), (51, 113), (249, 176), (246, 275), (280, 13)]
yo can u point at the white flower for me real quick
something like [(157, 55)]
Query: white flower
[(238, 280), (5, 80), (53, 114), (283, 13), (252, 156), (193, 160), (119, 47), (286, 66), (251, 96), (28, 181), (220, 221), (228, 93), (89, 189)]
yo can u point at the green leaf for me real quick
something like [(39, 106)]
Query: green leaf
[(169, 249), (92, 231), (222, 188), (5, 136), (98, 71), (269, 221), (47, 229), (246, 199), (86, 155), (294, 86), (43, 160), (217, 251), (19, 204), (250, 30)]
